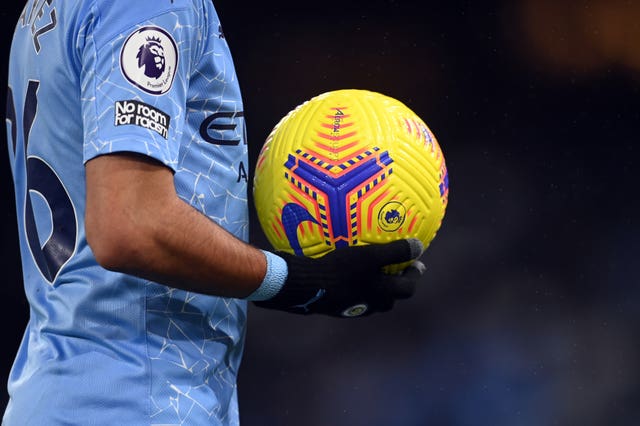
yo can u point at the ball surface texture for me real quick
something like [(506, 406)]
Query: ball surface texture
[(349, 167)]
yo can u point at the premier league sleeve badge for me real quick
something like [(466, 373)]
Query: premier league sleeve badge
[(149, 59)]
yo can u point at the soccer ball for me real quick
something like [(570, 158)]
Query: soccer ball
[(349, 167)]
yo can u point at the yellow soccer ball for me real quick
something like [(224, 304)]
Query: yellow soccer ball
[(349, 167)]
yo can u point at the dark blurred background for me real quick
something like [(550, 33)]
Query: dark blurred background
[(529, 313)]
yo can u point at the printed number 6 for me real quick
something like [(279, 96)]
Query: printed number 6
[(43, 180)]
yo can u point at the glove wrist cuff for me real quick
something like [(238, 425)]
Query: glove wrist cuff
[(273, 280)]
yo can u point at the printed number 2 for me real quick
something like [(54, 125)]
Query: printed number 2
[(42, 179)]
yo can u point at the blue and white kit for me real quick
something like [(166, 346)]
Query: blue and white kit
[(90, 78)]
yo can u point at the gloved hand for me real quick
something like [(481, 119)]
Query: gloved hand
[(349, 281)]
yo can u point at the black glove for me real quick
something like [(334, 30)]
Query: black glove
[(349, 281)]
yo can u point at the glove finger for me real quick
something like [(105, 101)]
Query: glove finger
[(389, 289), (415, 270), (404, 285), (398, 251)]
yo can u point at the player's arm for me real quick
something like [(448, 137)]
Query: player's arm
[(136, 224)]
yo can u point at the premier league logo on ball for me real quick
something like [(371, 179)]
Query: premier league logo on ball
[(149, 59)]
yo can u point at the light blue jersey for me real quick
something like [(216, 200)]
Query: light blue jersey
[(90, 78)]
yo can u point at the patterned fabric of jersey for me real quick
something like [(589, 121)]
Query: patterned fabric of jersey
[(90, 78)]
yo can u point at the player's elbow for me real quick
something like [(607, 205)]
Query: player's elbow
[(107, 252), (115, 241), (125, 195)]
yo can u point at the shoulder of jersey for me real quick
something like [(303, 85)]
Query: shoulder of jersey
[(149, 52), (117, 15)]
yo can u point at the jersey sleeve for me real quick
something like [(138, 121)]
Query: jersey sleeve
[(135, 65)]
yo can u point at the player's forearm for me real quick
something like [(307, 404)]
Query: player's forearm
[(136, 224), (182, 248)]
